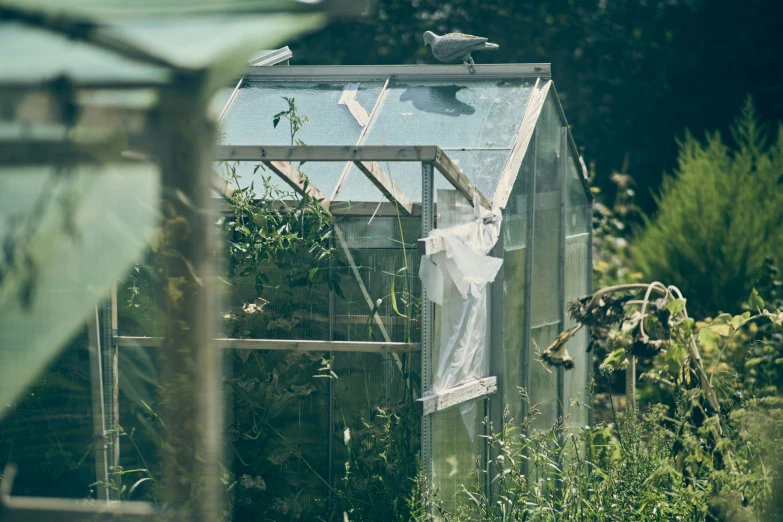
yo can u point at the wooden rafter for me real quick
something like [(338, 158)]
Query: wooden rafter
[(455, 176), (296, 181), (383, 181)]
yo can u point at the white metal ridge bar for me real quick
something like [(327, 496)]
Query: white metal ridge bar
[(382, 72), (376, 108), (231, 99), (264, 58), (271, 57), (521, 143)]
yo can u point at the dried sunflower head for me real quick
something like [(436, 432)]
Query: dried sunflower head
[(556, 353)]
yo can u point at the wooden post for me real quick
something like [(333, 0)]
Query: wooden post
[(98, 418), (191, 367), (630, 383)]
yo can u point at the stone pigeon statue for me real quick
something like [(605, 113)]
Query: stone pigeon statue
[(456, 47)]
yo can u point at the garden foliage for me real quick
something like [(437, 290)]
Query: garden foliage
[(718, 216)]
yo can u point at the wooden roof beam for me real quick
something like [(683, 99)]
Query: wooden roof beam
[(296, 180), (383, 181)]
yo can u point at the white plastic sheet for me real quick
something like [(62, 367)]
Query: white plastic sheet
[(457, 279)]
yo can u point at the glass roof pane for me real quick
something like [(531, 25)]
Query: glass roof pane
[(220, 42), (32, 54), (475, 122), (452, 115), (249, 120)]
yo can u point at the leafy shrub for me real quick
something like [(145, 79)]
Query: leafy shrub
[(718, 216), (598, 474)]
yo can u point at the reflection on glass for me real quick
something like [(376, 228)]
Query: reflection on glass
[(249, 121), (545, 283), (576, 285), (578, 219), (455, 451), (451, 115), (515, 229), (48, 431)]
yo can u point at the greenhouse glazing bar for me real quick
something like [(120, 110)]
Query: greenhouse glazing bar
[(562, 174), (430, 154), (427, 320), (282, 344)]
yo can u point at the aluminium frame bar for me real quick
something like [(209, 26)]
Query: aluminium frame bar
[(562, 173), (100, 447), (276, 344), (527, 320), (427, 319)]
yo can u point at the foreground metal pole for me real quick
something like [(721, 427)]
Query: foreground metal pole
[(191, 372)]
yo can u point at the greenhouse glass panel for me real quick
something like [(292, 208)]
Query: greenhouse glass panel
[(48, 433), (251, 121), (576, 285), (458, 448), (369, 389), (139, 395), (577, 274), (377, 263), (547, 244), (278, 426), (515, 230), (578, 218), (475, 122), (451, 114)]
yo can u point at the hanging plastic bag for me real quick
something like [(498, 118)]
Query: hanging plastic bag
[(457, 279)]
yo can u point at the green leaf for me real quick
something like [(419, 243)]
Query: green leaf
[(676, 306), (707, 339), (394, 298), (745, 316), (755, 302), (721, 329), (722, 319), (675, 356), (615, 360), (687, 326), (737, 321)]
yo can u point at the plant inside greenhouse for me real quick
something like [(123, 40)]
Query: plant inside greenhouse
[(241, 283)]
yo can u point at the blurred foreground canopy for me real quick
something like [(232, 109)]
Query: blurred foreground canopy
[(80, 85)]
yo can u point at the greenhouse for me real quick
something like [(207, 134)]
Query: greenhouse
[(500, 143), (446, 218)]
